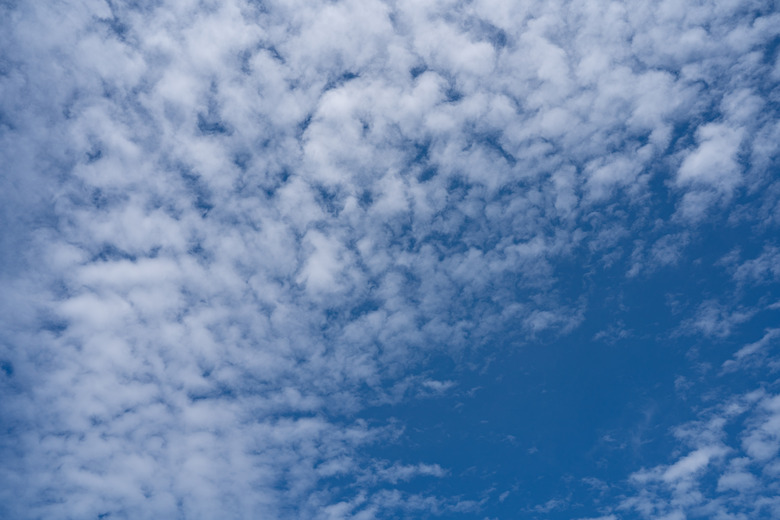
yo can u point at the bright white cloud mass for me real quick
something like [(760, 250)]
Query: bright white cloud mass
[(348, 259)]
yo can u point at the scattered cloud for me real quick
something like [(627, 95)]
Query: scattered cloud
[(231, 228)]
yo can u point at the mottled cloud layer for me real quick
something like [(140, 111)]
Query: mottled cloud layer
[(230, 226)]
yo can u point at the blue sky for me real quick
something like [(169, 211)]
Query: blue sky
[(389, 259)]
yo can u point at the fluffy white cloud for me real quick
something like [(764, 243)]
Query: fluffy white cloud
[(234, 224), (742, 472)]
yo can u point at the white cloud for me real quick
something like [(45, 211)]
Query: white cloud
[(716, 319), (713, 163), (691, 463), (762, 269), (231, 224), (742, 471), (744, 355)]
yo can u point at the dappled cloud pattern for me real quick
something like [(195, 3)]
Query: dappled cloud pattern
[(229, 227)]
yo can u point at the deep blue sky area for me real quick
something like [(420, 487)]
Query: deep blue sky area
[(539, 417), (388, 259)]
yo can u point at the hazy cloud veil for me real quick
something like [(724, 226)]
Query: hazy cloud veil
[(231, 228)]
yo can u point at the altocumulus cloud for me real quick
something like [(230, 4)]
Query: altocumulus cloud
[(229, 227)]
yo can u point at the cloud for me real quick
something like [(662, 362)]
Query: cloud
[(716, 319), (713, 163), (682, 488), (745, 355), (761, 269), (232, 226)]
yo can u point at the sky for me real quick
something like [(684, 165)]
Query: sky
[(386, 259)]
